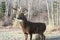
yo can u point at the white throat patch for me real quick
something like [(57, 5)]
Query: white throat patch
[(20, 20)]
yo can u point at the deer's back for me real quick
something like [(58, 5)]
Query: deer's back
[(36, 27)]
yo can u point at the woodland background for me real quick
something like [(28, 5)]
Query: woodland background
[(46, 11)]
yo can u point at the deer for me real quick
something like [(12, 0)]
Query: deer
[(31, 27)]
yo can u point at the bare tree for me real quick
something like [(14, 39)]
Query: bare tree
[(49, 20), (29, 9), (8, 13)]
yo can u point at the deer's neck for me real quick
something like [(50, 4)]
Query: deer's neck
[(25, 21)]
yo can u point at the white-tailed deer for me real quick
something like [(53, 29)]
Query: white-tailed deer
[(32, 28)]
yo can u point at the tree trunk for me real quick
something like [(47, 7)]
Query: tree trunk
[(49, 20), (57, 13), (52, 13), (8, 13), (30, 9)]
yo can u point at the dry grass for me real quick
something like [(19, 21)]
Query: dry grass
[(15, 32)]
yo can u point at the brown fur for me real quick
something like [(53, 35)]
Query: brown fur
[(32, 28)]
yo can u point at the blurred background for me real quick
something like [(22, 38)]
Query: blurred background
[(45, 11)]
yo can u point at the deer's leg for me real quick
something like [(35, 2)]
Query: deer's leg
[(30, 36), (42, 37), (26, 36)]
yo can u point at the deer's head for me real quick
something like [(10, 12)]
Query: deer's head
[(21, 12)]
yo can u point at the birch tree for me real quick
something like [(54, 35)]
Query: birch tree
[(49, 20), (29, 9), (57, 13), (52, 13)]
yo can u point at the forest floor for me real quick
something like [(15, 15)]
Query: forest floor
[(15, 33)]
